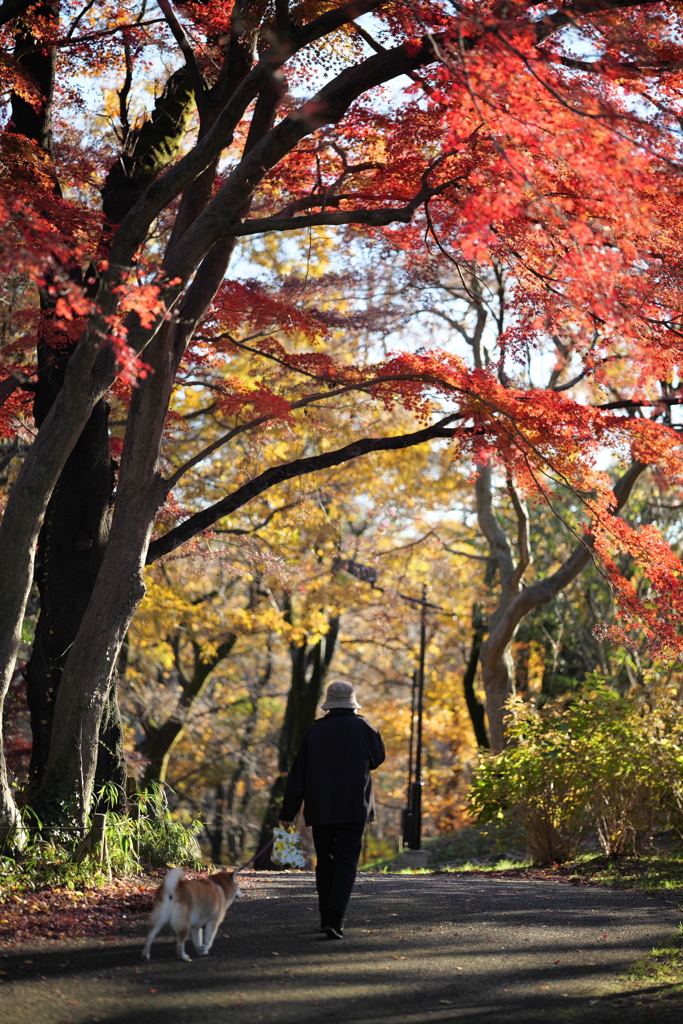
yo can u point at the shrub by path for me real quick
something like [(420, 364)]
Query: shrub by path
[(418, 948)]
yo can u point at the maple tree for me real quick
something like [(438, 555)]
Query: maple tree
[(542, 140)]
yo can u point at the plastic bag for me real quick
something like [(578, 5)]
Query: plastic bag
[(287, 850)]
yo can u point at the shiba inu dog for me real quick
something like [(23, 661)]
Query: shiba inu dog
[(193, 907)]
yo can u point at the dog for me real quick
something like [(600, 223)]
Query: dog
[(192, 907)]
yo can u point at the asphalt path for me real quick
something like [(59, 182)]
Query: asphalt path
[(417, 948)]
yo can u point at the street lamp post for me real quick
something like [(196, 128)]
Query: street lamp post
[(412, 816)]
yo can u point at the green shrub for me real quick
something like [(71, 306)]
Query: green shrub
[(163, 841), (605, 763), (624, 750), (152, 840), (536, 782)]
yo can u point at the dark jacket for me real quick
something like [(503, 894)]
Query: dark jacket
[(331, 773)]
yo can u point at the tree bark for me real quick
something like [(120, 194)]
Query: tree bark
[(70, 551), (515, 601), (475, 708), (118, 590)]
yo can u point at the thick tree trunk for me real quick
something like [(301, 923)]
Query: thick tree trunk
[(111, 771), (497, 672), (89, 670), (157, 746), (70, 551), (89, 673)]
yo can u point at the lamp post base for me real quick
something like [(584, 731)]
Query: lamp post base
[(415, 858)]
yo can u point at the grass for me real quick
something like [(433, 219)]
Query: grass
[(653, 984), (476, 849), (660, 870), (471, 848), (662, 966), (133, 847)]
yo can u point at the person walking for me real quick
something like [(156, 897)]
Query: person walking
[(331, 776)]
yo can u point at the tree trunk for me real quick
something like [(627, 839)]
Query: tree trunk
[(516, 601), (111, 771), (476, 710), (497, 672), (89, 670), (215, 833), (70, 551), (161, 739)]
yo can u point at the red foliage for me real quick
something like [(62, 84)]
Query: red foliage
[(553, 154)]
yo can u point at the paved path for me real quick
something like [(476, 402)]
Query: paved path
[(418, 948)]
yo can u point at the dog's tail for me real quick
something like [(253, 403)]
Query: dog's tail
[(174, 876)]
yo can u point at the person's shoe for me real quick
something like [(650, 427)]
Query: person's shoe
[(334, 931)]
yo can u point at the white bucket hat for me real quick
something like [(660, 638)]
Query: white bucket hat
[(340, 695)]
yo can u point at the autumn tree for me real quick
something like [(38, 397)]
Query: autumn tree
[(147, 149), (509, 146)]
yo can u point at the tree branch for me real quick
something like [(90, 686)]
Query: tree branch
[(544, 590), (522, 531), (328, 106), (372, 218), (359, 385), (491, 528), (287, 471), (259, 526), (186, 50), (164, 190)]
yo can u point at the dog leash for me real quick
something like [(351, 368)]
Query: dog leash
[(255, 857)]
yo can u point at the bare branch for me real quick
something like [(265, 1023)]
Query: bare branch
[(522, 514), (544, 590), (186, 49), (287, 471)]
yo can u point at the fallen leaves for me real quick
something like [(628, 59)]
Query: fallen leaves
[(63, 913), (114, 909)]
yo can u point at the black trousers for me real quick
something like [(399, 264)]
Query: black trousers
[(338, 849)]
